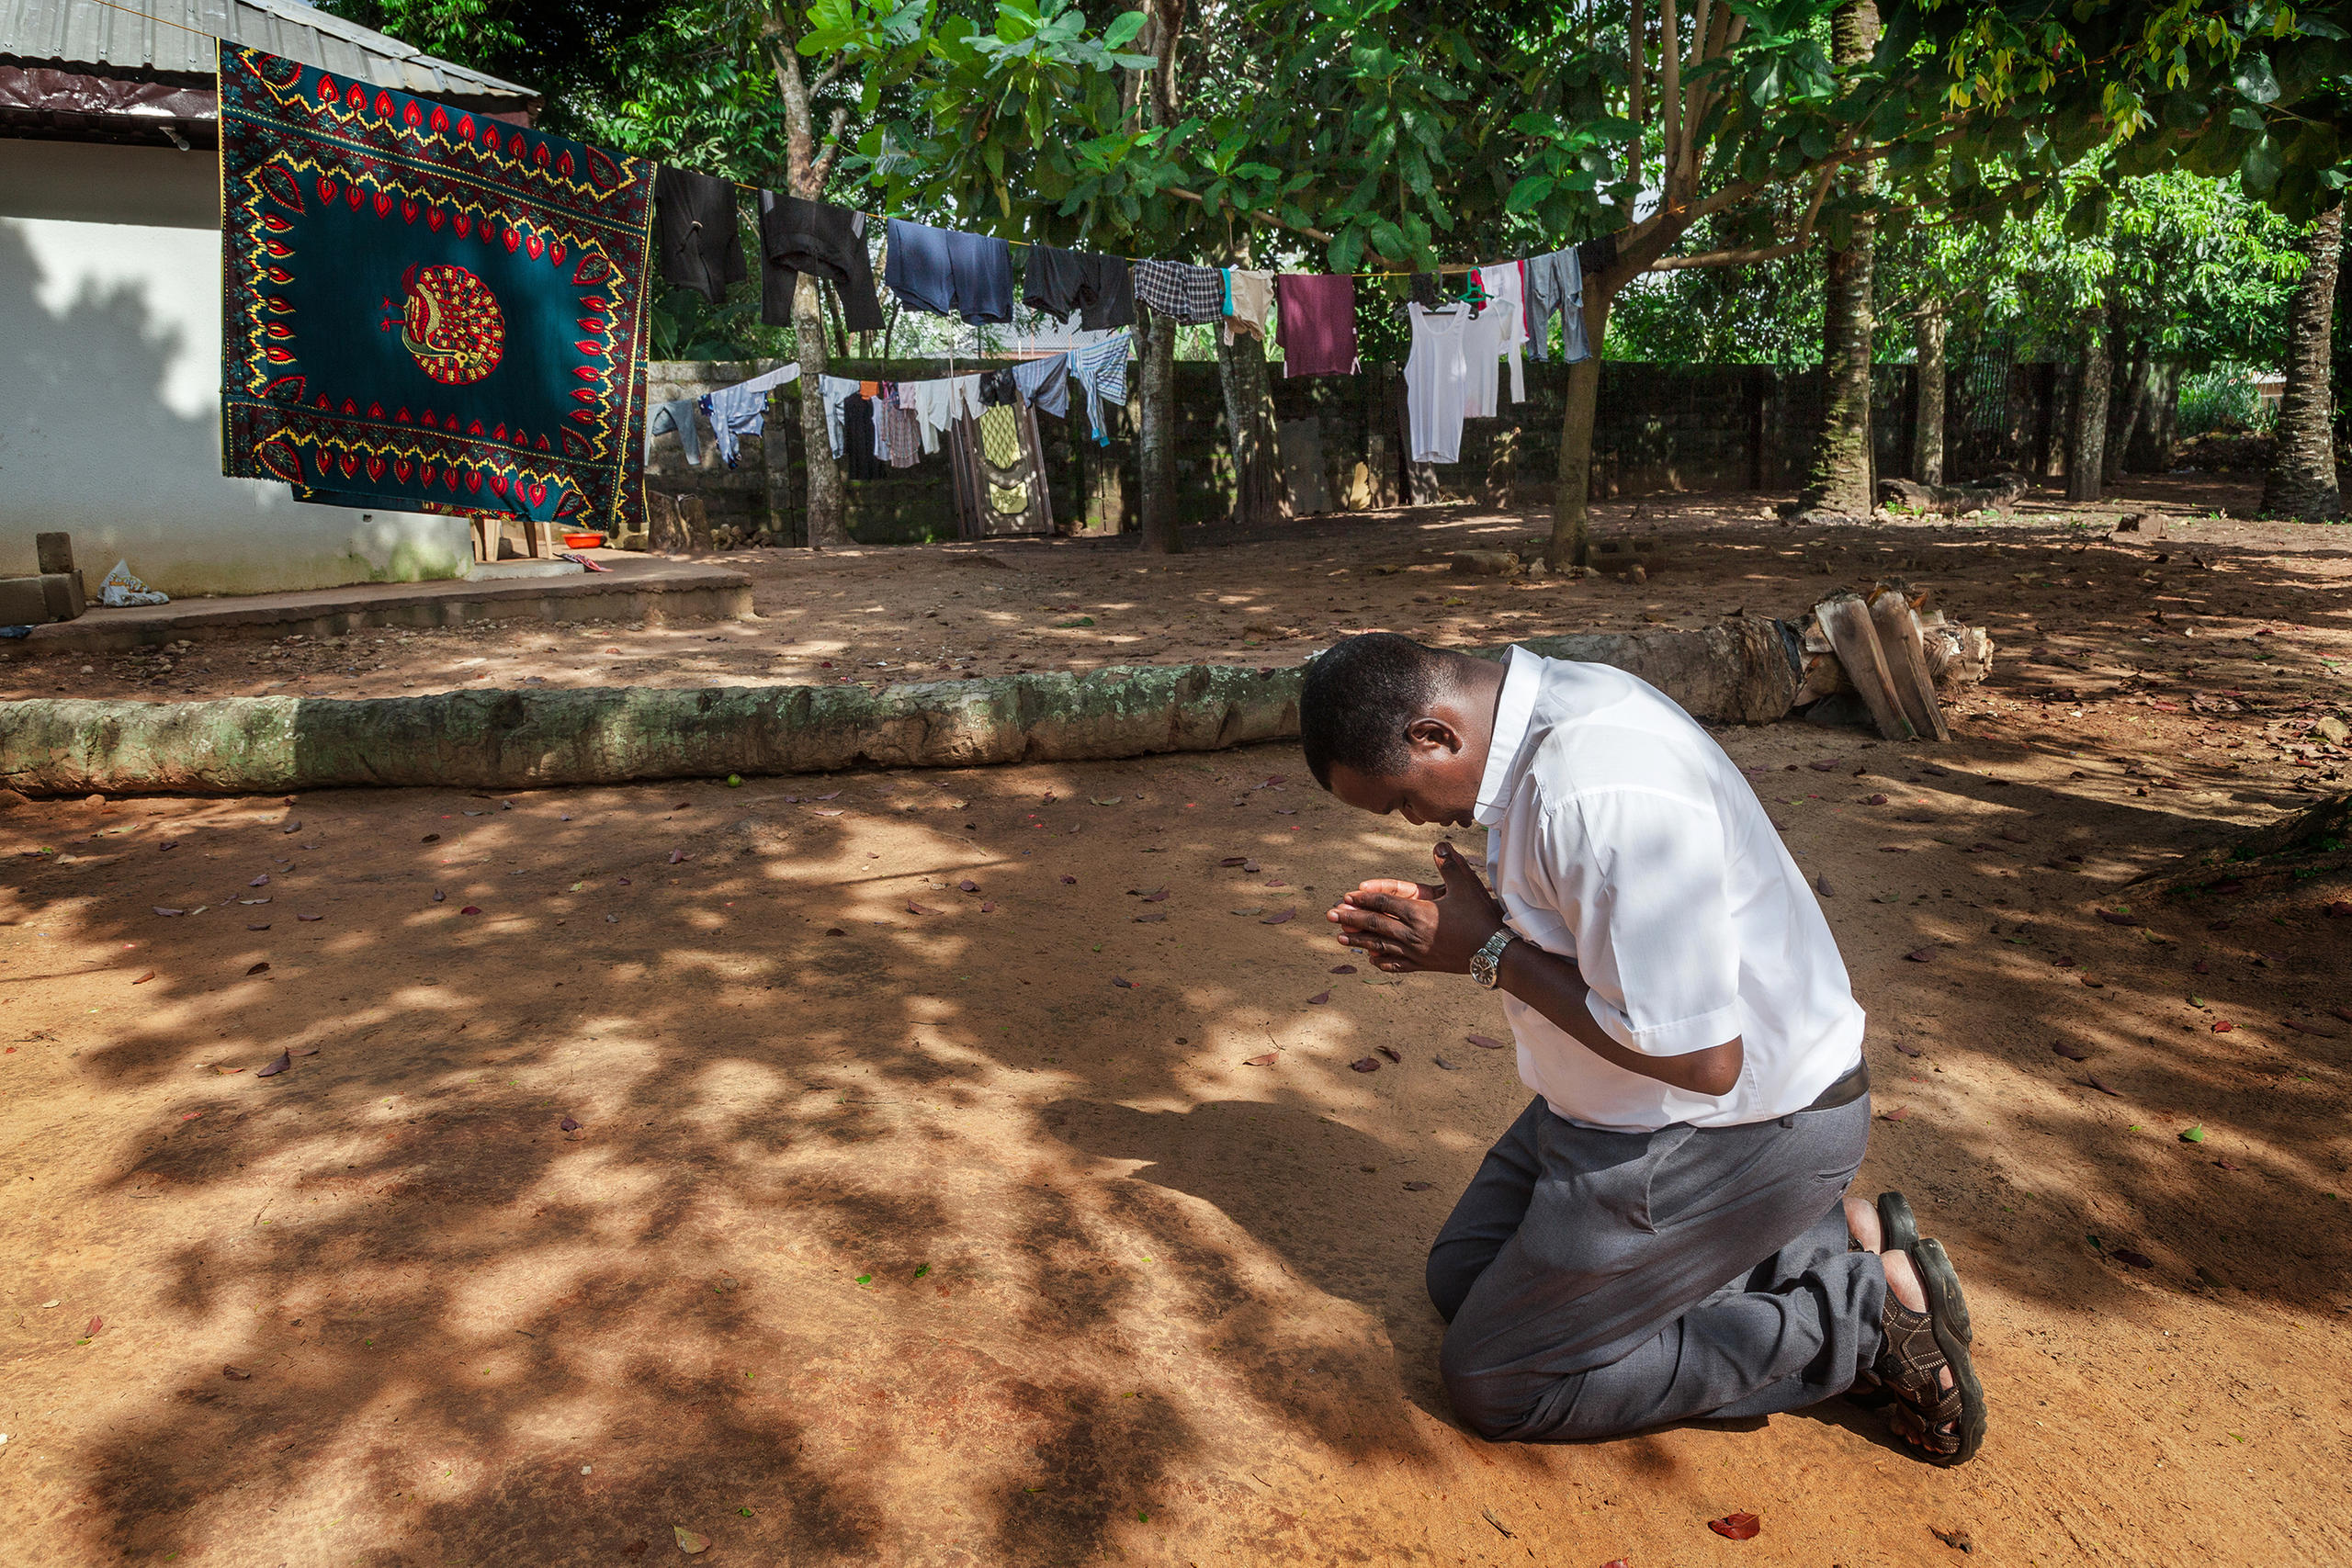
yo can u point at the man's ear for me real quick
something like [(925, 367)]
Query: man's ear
[(1434, 733)]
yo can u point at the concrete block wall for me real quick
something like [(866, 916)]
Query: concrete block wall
[(1659, 429)]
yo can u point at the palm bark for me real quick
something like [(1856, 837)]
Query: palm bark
[(2303, 479), (1927, 417), (2087, 426), (1837, 478)]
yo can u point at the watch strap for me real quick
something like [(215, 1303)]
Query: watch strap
[(1486, 966)]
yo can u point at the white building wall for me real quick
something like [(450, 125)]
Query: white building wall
[(110, 392)]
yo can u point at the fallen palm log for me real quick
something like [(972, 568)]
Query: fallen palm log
[(1998, 493), (1887, 645), (2312, 842), (1741, 669)]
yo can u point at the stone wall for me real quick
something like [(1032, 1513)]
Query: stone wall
[(1660, 428)]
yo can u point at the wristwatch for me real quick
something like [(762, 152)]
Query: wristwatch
[(1486, 963)]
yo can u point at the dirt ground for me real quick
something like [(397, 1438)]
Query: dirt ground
[(924, 1207), (2044, 579)]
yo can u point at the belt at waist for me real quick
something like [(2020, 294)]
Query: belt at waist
[(1846, 1090)]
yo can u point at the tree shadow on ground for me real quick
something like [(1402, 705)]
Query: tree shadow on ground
[(901, 1235)]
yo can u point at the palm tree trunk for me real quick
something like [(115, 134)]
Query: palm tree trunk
[(1927, 420), (2303, 479), (2086, 429), (1837, 479), (1163, 530)]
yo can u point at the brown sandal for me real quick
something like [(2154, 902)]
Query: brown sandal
[(1948, 1423)]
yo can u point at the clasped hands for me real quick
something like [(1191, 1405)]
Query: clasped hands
[(1407, 926)]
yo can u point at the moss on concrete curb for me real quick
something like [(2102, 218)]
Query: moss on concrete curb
[(1741, 669)]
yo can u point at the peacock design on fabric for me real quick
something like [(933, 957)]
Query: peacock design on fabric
[(450, 322)]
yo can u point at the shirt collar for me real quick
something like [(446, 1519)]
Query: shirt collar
[(1522, 672)]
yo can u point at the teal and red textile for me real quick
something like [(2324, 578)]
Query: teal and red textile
[(427, 309)]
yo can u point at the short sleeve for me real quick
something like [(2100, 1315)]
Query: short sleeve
[(1639, 876)]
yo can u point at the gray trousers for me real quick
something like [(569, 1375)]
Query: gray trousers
[(1596, 1284)]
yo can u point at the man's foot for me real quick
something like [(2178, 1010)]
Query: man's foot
[(1885, 1227), (1924, 1361), (1861, 1226)]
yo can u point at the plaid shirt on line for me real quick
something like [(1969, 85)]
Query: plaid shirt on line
[(1180, 291)]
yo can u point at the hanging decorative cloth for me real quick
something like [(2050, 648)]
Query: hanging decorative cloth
[(427, 310)]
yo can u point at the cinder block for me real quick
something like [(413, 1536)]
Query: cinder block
[(55, 552), (32, 601), (62, 593)]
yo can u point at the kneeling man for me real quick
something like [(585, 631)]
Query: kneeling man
[(1664, 1233)]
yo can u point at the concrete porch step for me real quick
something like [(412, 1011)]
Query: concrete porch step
[(639, 589)]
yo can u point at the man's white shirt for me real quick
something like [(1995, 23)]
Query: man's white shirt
[(1623, 837)]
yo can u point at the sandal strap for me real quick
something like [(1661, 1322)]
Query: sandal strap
[(1909, 1367)]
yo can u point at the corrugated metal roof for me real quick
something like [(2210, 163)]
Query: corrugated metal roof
[(139, 35)]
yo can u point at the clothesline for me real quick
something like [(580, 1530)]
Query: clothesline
[(925, 409), (1031, 244), (739, 184)]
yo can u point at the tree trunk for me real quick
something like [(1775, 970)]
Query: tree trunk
[(1928, 418), (2153, 427), (826, 529), (1837, 479), (1258, 496), (2086, 429), (2124, 440), (1163, 532), (2120, 355), (1571, 500), (2303, 479), (805, 173)]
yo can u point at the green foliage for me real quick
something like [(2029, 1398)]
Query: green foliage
[(566, 52), (2199, 271), (1404, 134), (2203, 274), (2254, 90), (1003, 124), (1769, 314), (2222, 398)]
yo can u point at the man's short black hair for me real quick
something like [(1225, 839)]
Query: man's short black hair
[(1357, 700)]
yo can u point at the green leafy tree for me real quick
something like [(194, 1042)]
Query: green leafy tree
[(569, 53)]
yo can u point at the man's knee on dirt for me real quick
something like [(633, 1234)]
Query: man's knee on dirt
[(1489, 1405), (1507, 1407)]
